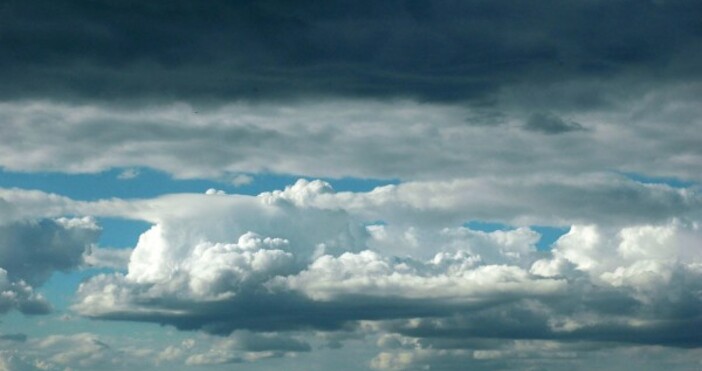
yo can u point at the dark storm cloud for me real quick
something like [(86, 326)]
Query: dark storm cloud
[(274, 49)]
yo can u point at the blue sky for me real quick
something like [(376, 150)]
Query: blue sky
[(376, 185)]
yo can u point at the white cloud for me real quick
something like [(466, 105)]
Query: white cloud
[(204, 251), (369, 274)]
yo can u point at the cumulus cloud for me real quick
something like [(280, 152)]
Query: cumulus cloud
[(458, 279), (613, 298), (216, 265), (505, 112), (309, 258)]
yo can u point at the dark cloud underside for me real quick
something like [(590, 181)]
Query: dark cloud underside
[(427, 50)]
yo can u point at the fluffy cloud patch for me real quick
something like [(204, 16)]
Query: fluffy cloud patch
[(213, 263), (509, 112), (454, 278), (310, 258)]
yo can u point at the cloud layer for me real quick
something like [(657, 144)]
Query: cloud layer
[(267, 50), (396, 262), (221, 263), (650, 134), (581, 117)]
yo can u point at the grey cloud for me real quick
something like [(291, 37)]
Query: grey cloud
[(20, 296), (355, 138), (253, 311), (551, 124), (32, 250), (527, 321), (426, 50), (590, 199)]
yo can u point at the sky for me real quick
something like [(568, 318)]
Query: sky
[(350, 185)]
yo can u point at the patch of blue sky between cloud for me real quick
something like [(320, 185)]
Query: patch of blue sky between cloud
[(120, 233), (548, 234), (107, 184), (149, 183), (668, 181)]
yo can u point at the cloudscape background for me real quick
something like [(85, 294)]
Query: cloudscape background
[(390, 185)]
